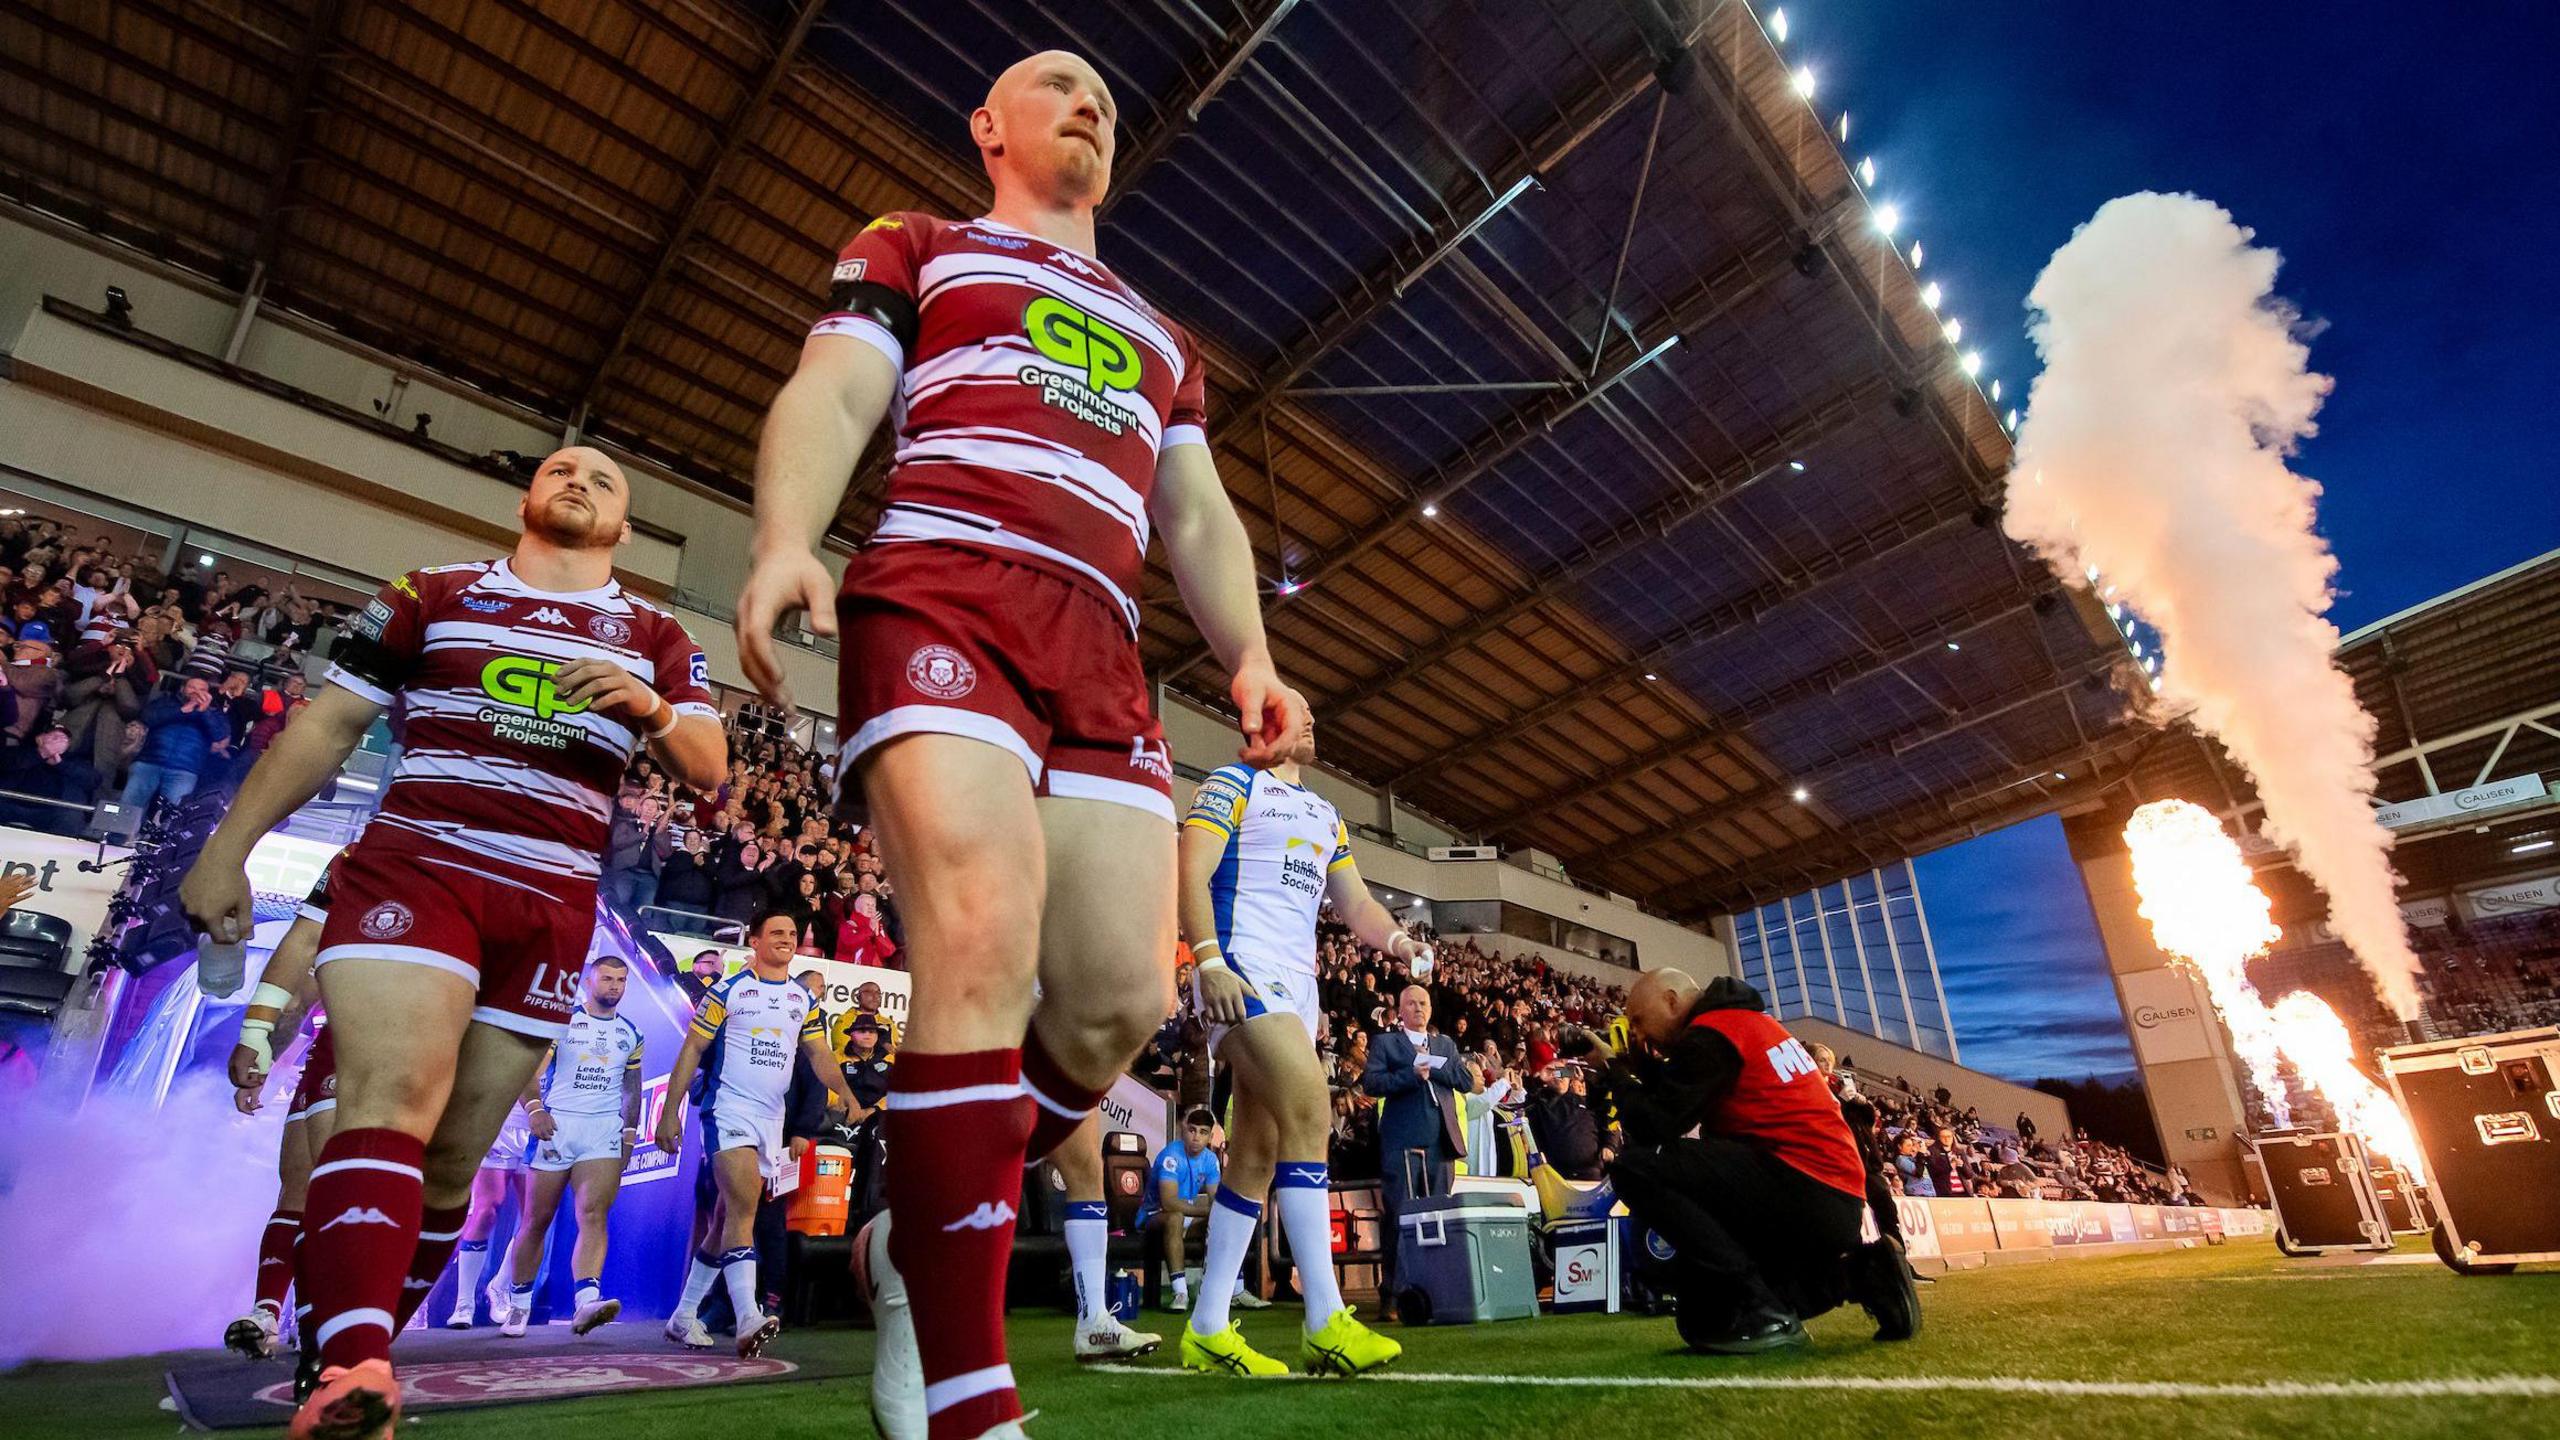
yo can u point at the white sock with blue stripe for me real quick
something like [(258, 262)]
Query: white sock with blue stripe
[(1088, 1238), (1231, 1221), (1302, 1191)]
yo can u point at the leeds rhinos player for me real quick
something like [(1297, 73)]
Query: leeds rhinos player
[(277, 1006), (1260, 855), (998, 721), (751, 1026), (451, 960), (502, 1177), (585, 1113)]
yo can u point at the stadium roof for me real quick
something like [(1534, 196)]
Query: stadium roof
[(1613, 475), (2464, 690)]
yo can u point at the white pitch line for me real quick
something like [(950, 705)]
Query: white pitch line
[(2524, 1387)]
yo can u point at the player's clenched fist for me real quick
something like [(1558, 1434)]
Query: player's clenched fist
[(1268, 712)]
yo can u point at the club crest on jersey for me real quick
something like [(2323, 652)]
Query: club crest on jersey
[(941, 672), (610, 630), (1104, 360), (387, 921)]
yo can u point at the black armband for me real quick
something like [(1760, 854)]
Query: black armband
[(892, 311), (371, 661)]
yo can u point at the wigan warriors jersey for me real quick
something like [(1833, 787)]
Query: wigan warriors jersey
[(493, 761), (1036, 391)]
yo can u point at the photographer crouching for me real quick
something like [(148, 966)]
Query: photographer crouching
[(1763, 1206)]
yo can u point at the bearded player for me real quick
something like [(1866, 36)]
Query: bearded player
[(277, 1006), (451, 959), (1261, 854), (584, 1115), (1000, 727)]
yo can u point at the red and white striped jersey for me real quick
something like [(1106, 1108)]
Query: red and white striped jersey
[(493, 761), (1035, 396)]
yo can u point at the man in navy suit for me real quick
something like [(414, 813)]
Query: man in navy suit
[(1420, 1075)]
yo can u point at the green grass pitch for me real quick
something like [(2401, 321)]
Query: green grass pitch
[(2184, 1343)]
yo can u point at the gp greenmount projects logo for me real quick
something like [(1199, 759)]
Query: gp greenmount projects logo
[(1081, 341), (528, 705)]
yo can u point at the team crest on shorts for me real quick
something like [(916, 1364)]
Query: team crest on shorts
[(609, 629), (941, 672), (387, 921)]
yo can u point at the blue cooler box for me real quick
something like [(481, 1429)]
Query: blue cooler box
[(1464, 1258)]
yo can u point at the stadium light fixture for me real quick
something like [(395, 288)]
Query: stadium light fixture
[(1430, 512), (1955, 332), (2136, 642), (1804, 82), (2013, 419), (1802, 794), (1867, 172), (1972, 363), (1995, 391), (1915, 254), (1796, 465), (1842, 129), (1888, 219), (2115, 612), (2152, 664), (1778, 25), (2530, 846), (2058, 775), (1931, 295), (1649, 675), (204, 560), (1952, 645), (2093, 574)]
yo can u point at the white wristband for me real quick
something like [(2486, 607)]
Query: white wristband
[(258, 1038), (661, 732), (274, 997)]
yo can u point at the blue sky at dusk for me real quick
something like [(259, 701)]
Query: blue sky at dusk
[(2402, 165)]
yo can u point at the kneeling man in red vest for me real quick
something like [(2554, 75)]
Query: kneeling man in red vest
[(1738, 1158)]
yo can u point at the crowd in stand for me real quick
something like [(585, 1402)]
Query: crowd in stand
[(696, 861), (1932, 1149), (127, 682)]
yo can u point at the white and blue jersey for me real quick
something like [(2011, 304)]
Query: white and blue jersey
[(1283, 843), (755, 1028)]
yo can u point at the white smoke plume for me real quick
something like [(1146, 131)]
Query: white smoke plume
[(125, 1229), (2174, 390)]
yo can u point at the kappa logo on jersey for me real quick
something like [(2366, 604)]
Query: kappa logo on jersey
[(360, 1215), (941, 672), (387, 921), (990, 1215), (549, 615), (1083, 342), (1791, 1060), (525, 684), (1069, 260), (609, 629)]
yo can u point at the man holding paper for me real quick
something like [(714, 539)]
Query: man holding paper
[(1420, 1136)]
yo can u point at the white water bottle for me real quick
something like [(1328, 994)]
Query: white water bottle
[(221, 964)]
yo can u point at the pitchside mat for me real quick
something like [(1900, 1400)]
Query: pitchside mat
[(2232, 1342), (445, 1370)]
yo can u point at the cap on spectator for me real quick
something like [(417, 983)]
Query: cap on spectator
[(36, 632)]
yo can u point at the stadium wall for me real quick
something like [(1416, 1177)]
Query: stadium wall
[(2000, 1101)]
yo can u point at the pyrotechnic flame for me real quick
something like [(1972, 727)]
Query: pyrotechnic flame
[(2206, 909)]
